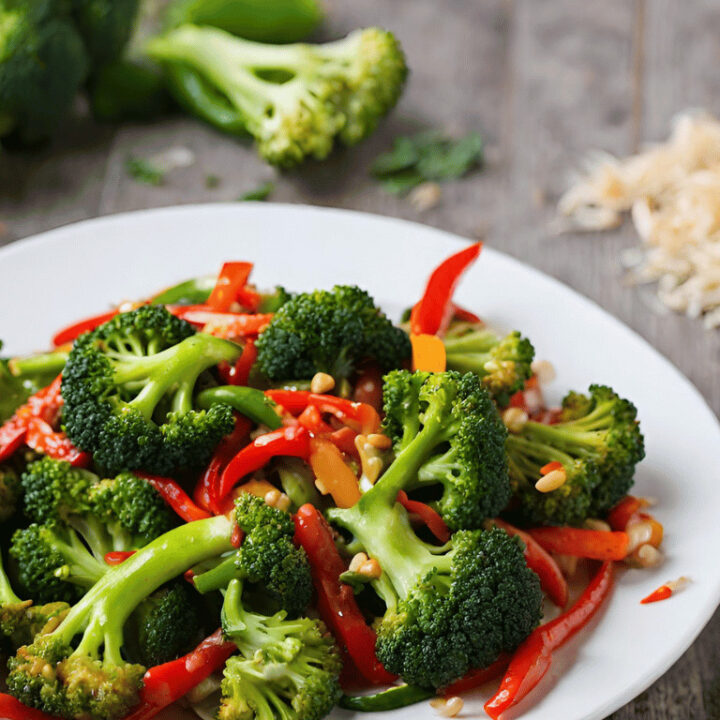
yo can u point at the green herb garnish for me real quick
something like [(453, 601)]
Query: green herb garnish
[(143, 171), (262, 192)]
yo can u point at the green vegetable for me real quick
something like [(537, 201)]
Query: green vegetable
[(427, 156), (43, 63), (195, 291), (392, 699), (285, 669), (329, 331), (10, 491), (105, 25), (448, 424), (144, 171), (42, 368), (271, 21), (262, 192), (298, 482), (128, 388), (598, 441), (294, 99), (246, 400), (502, 363)]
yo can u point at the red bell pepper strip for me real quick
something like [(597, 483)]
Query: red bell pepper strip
[(532, 659), (476, 678), (593, 544), (43, 439), (665, 591), (224, 325), (12, 437), (336, 600), (118, 557), (207, 490), (239, 373), (359, 416), (13, 709), (435, 524), (176, 497), (232, 278), (74, 331), (164, 684), (433, 313), (249, 299), (344, 440), (293, 441), (460, 313), (620, 515), (552, 581)]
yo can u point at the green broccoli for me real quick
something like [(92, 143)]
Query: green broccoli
[(447, 432), (598, 441), (503, 363), (294, 99), (78, 519), (43, 63), (285, 670), (329, 331), (105, 26), (78, 669), (10, 491), (267, 559), (128, 390), (449, 608)]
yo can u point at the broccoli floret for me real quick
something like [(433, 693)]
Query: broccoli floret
[(285, 670), (448, 434), (43, 63), (449, 608), (106, 26), (502, 363), (78, 669), (329, 331), (294, 99), (267, 558), (128, 390), (597, 441), (10, 492)]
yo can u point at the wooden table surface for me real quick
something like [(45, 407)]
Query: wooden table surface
[(544, 81)]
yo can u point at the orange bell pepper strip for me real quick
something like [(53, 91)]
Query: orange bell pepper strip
[(552, 581), (232, 278), (74, 331), (532, 659), (333, 473), (593, 544), (433, 313), (428, 353), (665, 591)]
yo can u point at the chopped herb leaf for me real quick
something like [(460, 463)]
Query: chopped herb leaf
[(143, 171), (262, 192)]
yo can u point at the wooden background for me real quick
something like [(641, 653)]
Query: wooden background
[(544, 81)]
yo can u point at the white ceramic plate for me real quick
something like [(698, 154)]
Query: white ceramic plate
[(79, 270)]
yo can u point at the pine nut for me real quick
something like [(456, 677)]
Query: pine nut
[(646, 556), (678, 584), (639, 534), (597, 524), (552, 481), (544, 370), (533, 400), (283, 502), (567, 564), (357, 562), (379, 441), (271, 497), (514, 419), (370, 569), (322, 383), (447, 708)]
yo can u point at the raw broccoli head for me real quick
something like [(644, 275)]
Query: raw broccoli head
[(448, 436), (78, 668), (268, 560), (598, 441), (128, 389), (285, 669), (502, 363), (294, 99), (43, 63), (449, 608), (329, 331), (10, 491), (106, 26)]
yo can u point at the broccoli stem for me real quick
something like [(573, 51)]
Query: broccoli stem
[(297, 482), (83, 569), (218, 577), (480, 341), (469, 362), (46, 364), (573, 435), (7, 594)]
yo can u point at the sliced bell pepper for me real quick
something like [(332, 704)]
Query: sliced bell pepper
[(433, 313), (13, 709), (225, 325), (232, 278), (661, 593), (336, 600), (391, 699), (43, 439), (74, 331), (248, 401), (293, 441), (239, 373), (176, 497), (249, 299), (118, 557), (593, 544), (332, 473), (552, 581), (532, 659), (460, 313), (368, 387), (428, 353), (435, 524), (207, 490), (620, 515), (164, 684)]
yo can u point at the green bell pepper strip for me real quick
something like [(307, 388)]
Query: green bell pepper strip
[(246, 400), (47, 364), (392, 699), (195, 291)]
